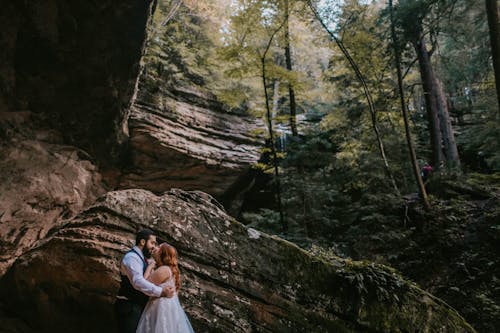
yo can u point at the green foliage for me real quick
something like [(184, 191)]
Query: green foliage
[(264, 219), (481, 144), (184, 54)]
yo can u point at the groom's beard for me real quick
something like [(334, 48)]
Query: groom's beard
[(147, 253)]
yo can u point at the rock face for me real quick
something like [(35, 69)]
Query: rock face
[(177, 144), (180, 136), (41, 182), (75, 63), (234, 279)]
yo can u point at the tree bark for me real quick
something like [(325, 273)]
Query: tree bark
[(494, 25), (431, 101), (450, 146), (413, 155), (288, 59), (276, 97)]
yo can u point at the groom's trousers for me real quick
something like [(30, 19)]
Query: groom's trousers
[(127, 315)]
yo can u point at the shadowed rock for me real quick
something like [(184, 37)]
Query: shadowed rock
[(75, 63), (234, 279), (41, 183)]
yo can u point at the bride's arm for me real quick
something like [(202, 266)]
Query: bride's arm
[(159, 276), (149, 269)]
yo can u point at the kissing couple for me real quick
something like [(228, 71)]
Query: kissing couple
[(147, 300)]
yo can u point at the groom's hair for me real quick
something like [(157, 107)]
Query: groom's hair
[(143, 234)]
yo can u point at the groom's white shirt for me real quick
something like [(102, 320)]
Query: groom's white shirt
[(132, 267)]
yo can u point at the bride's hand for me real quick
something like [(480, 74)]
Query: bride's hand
[(151, 263), (168, 291)]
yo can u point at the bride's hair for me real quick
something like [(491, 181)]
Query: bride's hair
[(168, 256)]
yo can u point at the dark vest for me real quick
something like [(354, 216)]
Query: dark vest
[(128, 291)]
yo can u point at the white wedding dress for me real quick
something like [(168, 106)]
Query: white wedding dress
[(164, 315)]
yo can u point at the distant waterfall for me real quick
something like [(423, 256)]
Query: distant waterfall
[(282, 134)]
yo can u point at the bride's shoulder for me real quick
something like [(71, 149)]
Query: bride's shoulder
[(163, 270)]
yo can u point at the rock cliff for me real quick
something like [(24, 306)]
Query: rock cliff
[(74, 64), (175, 143)]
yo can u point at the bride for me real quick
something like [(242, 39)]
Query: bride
[(164, 315)]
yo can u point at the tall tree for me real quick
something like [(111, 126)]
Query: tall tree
[(431, 99), (411, 15), (494, 25), (270, 127), (413, 155), (288, 59)]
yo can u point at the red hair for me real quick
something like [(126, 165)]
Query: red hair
[(168, 257)]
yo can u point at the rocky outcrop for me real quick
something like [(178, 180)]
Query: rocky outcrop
[(195, 147), (234, 279), (41, 182), (180, 135)]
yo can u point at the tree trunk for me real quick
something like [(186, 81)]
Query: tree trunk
[(274, 155), (431, 101), (288, 58), (494, 25), (283, 222), (450, 147), (276, 97), (281, 137), (413, 155), (306, 213)]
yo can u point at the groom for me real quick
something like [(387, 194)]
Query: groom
[(134, 288)]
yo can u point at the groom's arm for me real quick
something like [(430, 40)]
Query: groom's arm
[(133, 268)]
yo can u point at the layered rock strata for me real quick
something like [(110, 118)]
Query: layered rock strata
[(178, 144), (234, 279)]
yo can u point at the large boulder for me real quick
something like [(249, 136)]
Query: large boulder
[(234, 279)]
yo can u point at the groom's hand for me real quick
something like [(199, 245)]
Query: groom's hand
[(168, 291)]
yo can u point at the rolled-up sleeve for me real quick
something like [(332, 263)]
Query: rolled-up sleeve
[(133, 268)]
